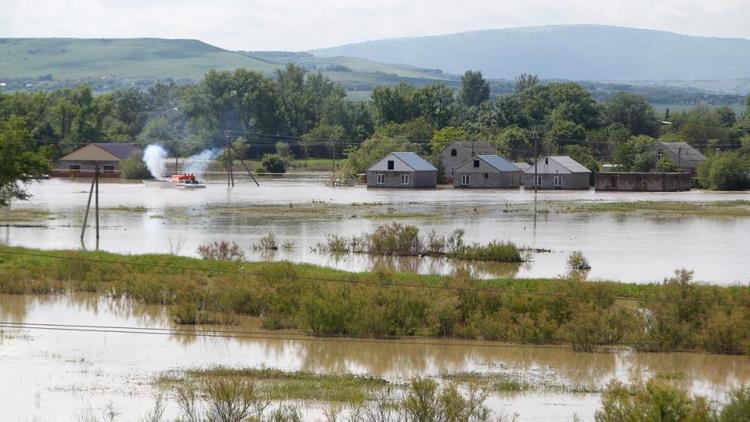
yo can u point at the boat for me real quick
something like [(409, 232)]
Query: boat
[(186, 181)]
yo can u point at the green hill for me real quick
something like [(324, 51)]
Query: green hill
[(66, 58), (571, 52), (150, 58)]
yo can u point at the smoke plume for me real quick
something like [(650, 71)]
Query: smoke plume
[(197, 163), (154, 156)]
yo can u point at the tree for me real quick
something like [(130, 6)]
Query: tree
[(631, 111), (272, 163), (514, 143), (443, 137), (435, 104), (322, 139), (634, 155), (18, 165), (134, 168), (666, 165), (725, 171), (526, 81), (474, 89), (394, 103)]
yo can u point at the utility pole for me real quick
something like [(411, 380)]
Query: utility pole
[(93, 191), (96, 202)]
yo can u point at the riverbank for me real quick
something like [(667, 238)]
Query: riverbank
[(675, 315)]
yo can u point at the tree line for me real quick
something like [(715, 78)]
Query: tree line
[(314, 117)]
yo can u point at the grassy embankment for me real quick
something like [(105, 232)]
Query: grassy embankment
[(675, 315), (738, 208)]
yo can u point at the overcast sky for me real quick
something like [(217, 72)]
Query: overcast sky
[(302, 25)]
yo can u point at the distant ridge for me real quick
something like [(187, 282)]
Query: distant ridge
[(574, 52)]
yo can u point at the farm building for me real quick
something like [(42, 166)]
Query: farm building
[(458, 152), (684, 155), (487, 171), (557, 172), (106, 155), (643, 182), (402, 170)]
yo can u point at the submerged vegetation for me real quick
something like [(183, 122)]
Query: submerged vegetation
[(403, 240), (678, 314), (737, 208)]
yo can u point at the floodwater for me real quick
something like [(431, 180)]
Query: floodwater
[(631, 247), (61, 375)]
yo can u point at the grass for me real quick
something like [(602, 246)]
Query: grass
[(299, 385), (676, 315), (738, 208), (25, 215)]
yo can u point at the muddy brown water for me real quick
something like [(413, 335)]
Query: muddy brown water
[(626, 247), (61, 375)]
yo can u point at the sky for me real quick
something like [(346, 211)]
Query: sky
[(302, 25)]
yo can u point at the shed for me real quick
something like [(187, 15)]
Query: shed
[(402, 170), (557, 172), (487, 171), (684, 155), (458, 152), (106, 155), (643, 182)]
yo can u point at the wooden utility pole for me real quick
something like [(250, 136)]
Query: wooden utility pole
[(93, 192)]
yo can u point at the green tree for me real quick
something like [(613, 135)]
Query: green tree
[(443, 137), (474, 89), (526, 81), (18, 165), (322, 139), (272, 163), (133, 168), (634, 155), (395, 103), (514, 143), (632, 111), (725, 171), (666, 165), (435, 104)]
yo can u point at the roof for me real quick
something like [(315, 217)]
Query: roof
[(522, 165), (499, 162), (102, 152), (682, 149), (564, 161), (119, 150), (414, 161), (479, 147)]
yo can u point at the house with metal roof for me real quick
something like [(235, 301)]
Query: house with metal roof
[(402, 170), (458, 152), (557, 172), (684, 155), (107, 156), (487, 171)]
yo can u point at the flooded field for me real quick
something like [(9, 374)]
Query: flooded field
[(303, 211), (111, 360)]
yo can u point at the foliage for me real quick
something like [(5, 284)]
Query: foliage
[(272, 163), (666, 165), (651, 402), (221, 251), (133, 167), (725, 171), (474, 89), (632, 112), (18, 164), (576, 261), (445, 136)]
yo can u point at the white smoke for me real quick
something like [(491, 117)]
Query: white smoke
[(196, 164), (154, 156)]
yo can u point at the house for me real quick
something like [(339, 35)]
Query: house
[(557, 172), (522, 165), (107, 156), (487, 171), (402, 170), (643, 182), (684, 155), (458, 152)]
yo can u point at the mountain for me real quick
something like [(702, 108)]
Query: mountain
[(59, 59), (573, 52)]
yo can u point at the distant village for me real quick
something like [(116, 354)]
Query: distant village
[(465, 165)]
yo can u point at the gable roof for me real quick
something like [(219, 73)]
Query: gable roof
[(564, 161), (414, 161), (101, 152), (682, 149), (499, 163), (479, 147)]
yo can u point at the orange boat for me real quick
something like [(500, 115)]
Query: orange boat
[(186, 181)]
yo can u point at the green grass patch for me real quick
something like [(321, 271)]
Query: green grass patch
[(25, 215), (737, 208)]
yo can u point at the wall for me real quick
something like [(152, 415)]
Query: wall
[(643, 182)]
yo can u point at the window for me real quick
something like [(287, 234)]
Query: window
[(476, 163), (486, 175), (465, 180), (510, 180), (381, 179), (109, 169), (390, 164), (658, 156), (538, 181), (557, 181), (454, 152), (404, 179), (74, 167)]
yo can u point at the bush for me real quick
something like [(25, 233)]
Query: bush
[(724, 171), (221, 251), (134, 168), (578, 262), (272, 163), (654, 401)]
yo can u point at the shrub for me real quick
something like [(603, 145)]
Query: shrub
[(725, 171), (221, 251), (272, 163), (578, 262), (654, 401), (267, 243), (134, 168)]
